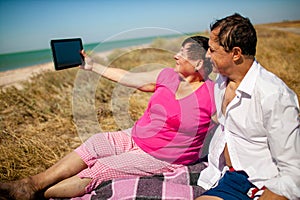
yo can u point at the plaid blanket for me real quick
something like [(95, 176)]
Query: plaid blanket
[(181, 184)]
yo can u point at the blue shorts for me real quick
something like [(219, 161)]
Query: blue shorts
[(234, 185)]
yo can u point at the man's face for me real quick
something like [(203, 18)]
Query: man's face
[(220, 59)]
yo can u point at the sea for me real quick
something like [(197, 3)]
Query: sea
[(11, 61)]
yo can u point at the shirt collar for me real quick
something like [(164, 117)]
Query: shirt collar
[(221, 81), (248, 82)]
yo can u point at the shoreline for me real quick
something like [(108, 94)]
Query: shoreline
[(15, 77)]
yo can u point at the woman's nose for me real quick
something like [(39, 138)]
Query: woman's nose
[(176, 56)]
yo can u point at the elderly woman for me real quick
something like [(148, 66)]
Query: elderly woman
[(168, 135)]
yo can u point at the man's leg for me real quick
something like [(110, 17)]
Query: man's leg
[(205, 197)]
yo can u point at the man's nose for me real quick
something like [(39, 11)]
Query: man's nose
[(207, 55)]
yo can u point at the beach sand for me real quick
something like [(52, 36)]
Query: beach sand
[(16, 76)]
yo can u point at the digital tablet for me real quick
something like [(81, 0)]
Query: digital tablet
[(66, 53)]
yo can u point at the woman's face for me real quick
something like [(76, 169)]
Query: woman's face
[(184, 65)]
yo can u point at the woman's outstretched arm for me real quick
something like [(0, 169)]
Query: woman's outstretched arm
[(144, 81)]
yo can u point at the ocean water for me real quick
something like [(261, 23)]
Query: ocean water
[(29, 58)]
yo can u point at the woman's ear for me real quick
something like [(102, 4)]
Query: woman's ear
[(199, 65)]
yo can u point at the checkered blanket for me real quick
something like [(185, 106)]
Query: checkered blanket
[(181, 184)]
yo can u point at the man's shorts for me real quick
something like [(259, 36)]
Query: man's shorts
[(234, 185)]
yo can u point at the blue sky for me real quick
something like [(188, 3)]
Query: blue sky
[(31, 24)]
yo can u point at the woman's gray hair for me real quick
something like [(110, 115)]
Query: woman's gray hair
[(197, 51)]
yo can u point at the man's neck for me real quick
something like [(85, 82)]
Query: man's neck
[(240, 71)]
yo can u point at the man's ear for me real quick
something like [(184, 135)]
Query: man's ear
[(236, 53)]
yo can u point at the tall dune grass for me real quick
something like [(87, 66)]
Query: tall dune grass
[(42, 122), (279, 50)]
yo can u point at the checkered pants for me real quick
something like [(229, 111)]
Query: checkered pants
[(115, 155)]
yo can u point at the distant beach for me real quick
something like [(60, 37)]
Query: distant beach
[(15, 76)]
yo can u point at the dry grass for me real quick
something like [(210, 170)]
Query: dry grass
[(278, 51), (47, 118), (56, 111)]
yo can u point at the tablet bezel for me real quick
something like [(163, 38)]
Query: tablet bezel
[(55, 53)]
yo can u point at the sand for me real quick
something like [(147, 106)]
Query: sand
[(16, 76)]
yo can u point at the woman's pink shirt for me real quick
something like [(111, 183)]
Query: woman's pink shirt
[(173, 129)]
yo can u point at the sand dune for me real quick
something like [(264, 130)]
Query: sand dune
[(14, 77)]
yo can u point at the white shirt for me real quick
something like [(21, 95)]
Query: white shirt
[(261, 129)]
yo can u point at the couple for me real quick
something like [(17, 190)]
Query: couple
[(254, 152)]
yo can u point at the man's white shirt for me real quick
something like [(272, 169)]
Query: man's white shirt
[(261, 129)]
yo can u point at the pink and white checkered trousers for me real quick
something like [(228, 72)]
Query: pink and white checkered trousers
[(115, 155)]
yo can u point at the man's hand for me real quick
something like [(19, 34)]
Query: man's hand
[(269, 195)]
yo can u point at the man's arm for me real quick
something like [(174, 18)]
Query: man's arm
[(281, 119)]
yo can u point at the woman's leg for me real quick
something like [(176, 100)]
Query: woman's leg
[(128, 164), (99, 145), (29, 188), (70, 187), (112, 155)]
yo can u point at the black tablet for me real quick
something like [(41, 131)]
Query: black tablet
[(66, 53)]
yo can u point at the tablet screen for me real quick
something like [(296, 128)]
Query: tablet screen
[(66, 53)]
